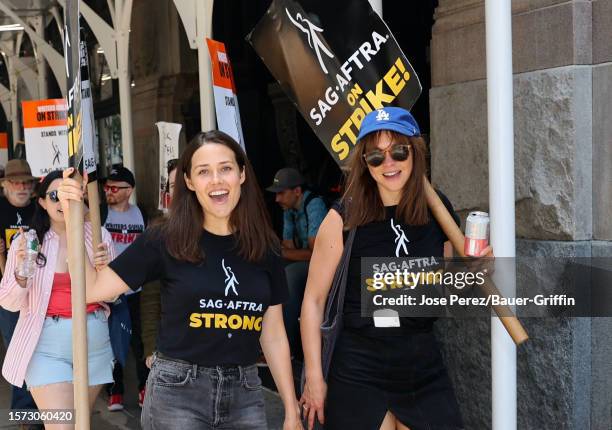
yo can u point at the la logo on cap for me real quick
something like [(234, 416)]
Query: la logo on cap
[(382, 115), (114, 172)]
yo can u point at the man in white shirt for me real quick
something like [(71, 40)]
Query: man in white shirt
[(125, 222)]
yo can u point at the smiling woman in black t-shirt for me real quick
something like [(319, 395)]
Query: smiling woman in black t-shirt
[(385, 373), (223, 283)]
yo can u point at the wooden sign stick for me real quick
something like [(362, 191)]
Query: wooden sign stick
[(513, 326)]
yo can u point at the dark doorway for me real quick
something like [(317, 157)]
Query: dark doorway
[(275, 133)]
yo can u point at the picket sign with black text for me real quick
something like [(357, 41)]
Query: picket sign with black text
[(45, 133), (169, 133), (224, 90)]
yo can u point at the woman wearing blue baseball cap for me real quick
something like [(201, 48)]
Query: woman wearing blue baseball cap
[(386, 372)]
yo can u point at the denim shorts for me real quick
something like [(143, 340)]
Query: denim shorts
[(51, 362), (182, 396)]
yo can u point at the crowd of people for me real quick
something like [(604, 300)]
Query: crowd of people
[(231, 293)]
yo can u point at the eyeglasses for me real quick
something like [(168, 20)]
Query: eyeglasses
[(399, 152), (114, 188), (53, 196)]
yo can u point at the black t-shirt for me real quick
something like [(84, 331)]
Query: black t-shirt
[(11, 218), (389, 238), (211, 313)]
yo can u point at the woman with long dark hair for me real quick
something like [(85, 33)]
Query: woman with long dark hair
[(40, 352), (222, 285), (386, 372)]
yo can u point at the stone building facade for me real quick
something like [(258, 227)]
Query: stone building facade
[(562, 61)]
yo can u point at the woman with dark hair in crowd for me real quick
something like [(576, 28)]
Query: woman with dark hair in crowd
[(172, 165), (386, 372), (40, 351), (222, 287)]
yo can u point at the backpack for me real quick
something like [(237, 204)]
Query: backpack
[(311, 196)]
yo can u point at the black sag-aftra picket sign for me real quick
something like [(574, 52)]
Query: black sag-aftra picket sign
[(337, 62), (73, 75)]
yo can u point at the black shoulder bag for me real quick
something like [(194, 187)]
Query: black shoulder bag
[(332, 318)]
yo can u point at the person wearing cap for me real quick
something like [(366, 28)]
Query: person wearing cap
[(16, 211), (387, 371), (125, 222), (303, 212)]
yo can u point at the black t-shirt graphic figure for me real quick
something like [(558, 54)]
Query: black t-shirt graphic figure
[(11, 218), (212, 312), (421, 245)]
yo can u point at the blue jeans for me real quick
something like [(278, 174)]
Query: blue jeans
[(142, 371), (21, 397), (181, 396), (297, 273)]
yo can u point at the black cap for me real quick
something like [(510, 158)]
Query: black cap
[(121, 174), (284, 179)]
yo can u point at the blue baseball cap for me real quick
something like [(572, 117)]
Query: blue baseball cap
[(389, 118)]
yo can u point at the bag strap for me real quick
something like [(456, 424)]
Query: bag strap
[(338, 289), (307, 201)]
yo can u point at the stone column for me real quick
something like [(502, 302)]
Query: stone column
[(563, 166), (163, 82), (601, 415)]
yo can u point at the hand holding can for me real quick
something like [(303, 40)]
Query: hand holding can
[(476, 233)]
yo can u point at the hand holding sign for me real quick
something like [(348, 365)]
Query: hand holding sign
[(71, 189)]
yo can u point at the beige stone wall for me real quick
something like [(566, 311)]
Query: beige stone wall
[(556, 116), (546, 34)]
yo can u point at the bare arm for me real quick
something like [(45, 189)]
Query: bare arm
[(275, 347), (325, 258), (104, 285), (448, 249)]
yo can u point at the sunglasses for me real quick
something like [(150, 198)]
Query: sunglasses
[(114, 189), (53, 196), (399, 152)]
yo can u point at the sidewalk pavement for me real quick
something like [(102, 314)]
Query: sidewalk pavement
[(129, 418)]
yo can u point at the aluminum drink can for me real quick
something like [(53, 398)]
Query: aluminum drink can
[(476, 233)]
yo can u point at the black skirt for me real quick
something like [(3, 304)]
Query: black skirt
[(371, 374)]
